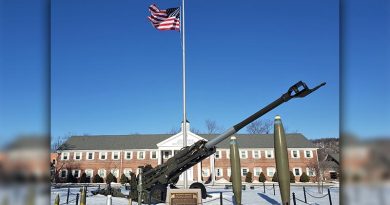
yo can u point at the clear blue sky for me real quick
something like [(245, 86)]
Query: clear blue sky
[(366, 63), (24, 68), (112, 73)]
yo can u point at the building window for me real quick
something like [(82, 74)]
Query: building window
[(115, 155), (270, 171), (128, 155), (218, 172), (297, 171), (257, 171), (115, 172), (227, 154), (90, 155), (65, 156), (310, 172), (141, 155), (102, 173), (333, 175), (256, 154), (103, 155), (218, 154), (205, 172), (294, 153), (127, 172), (76, 173), (243, 154), (77, 156), (244, 171), (89, 173), (269, 153), (153, 154), (64, 173), (229, 172), (309, 154), (167, 154)]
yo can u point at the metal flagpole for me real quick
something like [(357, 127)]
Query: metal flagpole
[(184, 88)]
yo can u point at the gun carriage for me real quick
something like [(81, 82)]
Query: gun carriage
[(155, 181)]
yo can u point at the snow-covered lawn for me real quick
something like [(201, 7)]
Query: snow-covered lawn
[(249, 196)]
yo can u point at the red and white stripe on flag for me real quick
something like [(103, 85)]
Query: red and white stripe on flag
[(168, 19)]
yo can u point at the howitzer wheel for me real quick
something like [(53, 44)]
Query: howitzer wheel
[(200, 186), (158, 194)]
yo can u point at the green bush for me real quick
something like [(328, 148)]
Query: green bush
[(275, 177), (97, 179), (83, 178), (124, 179), (304, 177), (292, 177), (248, 177), (110, 178), (70, 178), (147, 168), (262, 177)]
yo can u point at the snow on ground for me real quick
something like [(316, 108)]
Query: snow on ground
[(21, 194), (249, 196)]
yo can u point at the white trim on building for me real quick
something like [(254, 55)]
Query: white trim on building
[(271, 171), (256, 154), (103, 155), (141, 155), (77, 156), (65, 155), (299, 169), (295, 154)]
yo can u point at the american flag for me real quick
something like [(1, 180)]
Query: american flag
[(168, 19)]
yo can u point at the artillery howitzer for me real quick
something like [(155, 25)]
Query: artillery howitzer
[(156, 180)]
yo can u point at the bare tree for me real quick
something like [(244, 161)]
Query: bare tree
[(320, 168), (194, 130), (58, 142), (260, 127), (212, 127), (174, 130), (58, 145)]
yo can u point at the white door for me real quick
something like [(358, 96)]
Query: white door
[(190, 175)]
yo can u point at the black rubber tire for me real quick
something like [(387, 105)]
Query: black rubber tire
[(200, 186), (158, 194)]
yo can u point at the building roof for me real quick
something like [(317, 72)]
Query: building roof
[(335, 157), (28, 142), (149, 141)]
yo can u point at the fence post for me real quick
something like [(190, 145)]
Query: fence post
[(109, 200), (264, 187), (304, 193), (77, 199), (294, 201), (67, 196), (273, 186), (83, 198), (220, 198), (140, 170), (330, 197), (56, 201)]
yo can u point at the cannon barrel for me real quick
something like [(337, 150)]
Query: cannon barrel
[(298, 90)]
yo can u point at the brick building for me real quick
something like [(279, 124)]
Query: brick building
[(124, 153)]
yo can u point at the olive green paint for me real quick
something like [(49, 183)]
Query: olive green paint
[(281, 158), (236, 170)]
